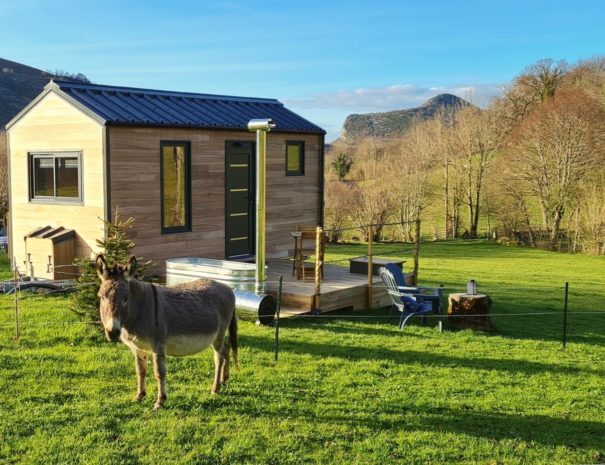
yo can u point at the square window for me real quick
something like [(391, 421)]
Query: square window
[(55, 177), (295, 158)]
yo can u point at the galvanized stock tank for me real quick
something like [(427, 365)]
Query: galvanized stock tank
[(239, 276)]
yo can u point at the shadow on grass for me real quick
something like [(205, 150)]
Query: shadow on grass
[(358, 353), (495, 426)]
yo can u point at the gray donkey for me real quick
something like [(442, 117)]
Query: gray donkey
[(166, 321)]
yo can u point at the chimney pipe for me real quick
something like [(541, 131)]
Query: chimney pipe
[(261, 127)]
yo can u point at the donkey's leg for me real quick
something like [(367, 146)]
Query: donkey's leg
[(159, 368), (219, 362), (225, 371), (140, 364)]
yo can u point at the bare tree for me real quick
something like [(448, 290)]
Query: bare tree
[(554, 148), (337, 208), (478, 136), (411, 161), (3, 176), (536, 84), (371, 203)]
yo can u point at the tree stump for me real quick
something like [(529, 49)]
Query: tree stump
[(476, 306)]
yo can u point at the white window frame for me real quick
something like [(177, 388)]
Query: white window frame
[(54, 199)]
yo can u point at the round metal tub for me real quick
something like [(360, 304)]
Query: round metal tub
[(239, 276), (236, 275)]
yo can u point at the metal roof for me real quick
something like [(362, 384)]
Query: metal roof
[(126, 105)]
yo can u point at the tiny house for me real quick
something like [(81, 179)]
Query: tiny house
[(181, 164)]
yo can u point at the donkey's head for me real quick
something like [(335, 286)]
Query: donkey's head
[(115, 295)]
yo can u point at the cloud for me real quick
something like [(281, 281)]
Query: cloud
[(395, 97)]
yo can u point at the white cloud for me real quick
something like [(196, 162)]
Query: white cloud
[(395, 97)]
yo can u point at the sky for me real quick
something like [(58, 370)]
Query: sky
[(322, 59)]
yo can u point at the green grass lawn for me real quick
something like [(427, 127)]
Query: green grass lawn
[(345, 391)]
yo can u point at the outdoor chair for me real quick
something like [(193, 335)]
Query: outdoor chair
[(306, 248), (410, 301), (430, 294), (298, 244)]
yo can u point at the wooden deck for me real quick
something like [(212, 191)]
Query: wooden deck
[(339, 289)]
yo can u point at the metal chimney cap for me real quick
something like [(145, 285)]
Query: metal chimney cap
[(261, 124)]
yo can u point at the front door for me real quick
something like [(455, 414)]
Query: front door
[(239, 199)]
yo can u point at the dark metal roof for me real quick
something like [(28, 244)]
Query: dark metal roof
[(126, 105)]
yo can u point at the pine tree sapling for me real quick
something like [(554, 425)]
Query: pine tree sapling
[(117, 248)]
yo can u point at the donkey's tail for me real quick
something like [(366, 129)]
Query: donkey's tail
[(233, 340)]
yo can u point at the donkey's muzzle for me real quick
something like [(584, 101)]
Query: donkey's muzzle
[(113, 335)]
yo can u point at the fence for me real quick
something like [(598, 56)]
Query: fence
[(557, 312)]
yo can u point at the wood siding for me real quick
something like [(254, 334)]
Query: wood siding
[(55, 125), (134, 154)]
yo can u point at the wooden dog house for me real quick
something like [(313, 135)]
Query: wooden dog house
[(50, 253)]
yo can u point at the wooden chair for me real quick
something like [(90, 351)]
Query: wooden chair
[(297, 244), (307, 247), (410, 301)]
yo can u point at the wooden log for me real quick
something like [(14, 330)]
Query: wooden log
[(476, 306)]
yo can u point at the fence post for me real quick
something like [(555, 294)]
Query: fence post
[(15, 289), (416, 251), (318, 269), (281, 279), (370, 264), (565, 314)]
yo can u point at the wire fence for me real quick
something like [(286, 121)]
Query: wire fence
[(549, 312), (558, 314)]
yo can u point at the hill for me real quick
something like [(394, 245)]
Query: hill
[(19, 84), (390, 123)]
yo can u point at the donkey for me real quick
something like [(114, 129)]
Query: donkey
[(166, 321)]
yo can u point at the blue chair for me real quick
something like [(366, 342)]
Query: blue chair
[(410, 301)]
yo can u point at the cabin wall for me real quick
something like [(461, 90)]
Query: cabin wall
[(55, 125), (134, 160)]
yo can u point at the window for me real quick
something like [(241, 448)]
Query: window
[(295, 158), (55, 177), (175, 169)]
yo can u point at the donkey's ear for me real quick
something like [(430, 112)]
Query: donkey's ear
[(101, 267), (131, 268)]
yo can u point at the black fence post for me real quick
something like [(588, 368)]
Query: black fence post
[(565, 314), (281, 280)]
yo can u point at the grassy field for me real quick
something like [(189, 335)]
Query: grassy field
[(345, 391)]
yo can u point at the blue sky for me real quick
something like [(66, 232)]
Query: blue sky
[(323, 59)]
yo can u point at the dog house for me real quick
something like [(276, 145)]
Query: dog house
[(50, 253)]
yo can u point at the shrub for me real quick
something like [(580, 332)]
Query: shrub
[(117, 248)]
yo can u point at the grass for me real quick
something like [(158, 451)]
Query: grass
[(344, 390)]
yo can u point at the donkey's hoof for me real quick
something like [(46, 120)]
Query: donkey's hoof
[(158, 405), (140, 396)]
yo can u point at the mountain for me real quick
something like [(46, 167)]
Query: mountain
[(19, 85), (391, 123)]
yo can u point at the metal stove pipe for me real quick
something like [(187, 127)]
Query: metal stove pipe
[(261, 127)]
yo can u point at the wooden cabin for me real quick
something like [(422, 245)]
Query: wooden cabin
[(181, 164)]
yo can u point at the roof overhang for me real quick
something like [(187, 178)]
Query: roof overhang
[(52, 87)]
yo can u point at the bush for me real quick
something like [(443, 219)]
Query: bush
[(117, 249)]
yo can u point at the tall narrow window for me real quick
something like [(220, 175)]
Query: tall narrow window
[(55, 177), (295, 158), (176, 186)]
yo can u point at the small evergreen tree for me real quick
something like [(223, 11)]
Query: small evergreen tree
[(341, 165), (117, 248)]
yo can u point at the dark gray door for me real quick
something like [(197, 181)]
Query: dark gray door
[(239, 199)]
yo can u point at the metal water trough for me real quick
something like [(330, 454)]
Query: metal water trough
[(239, 276)]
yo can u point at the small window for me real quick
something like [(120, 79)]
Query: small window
[(175, 167), (55, 177), (295, 158)]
